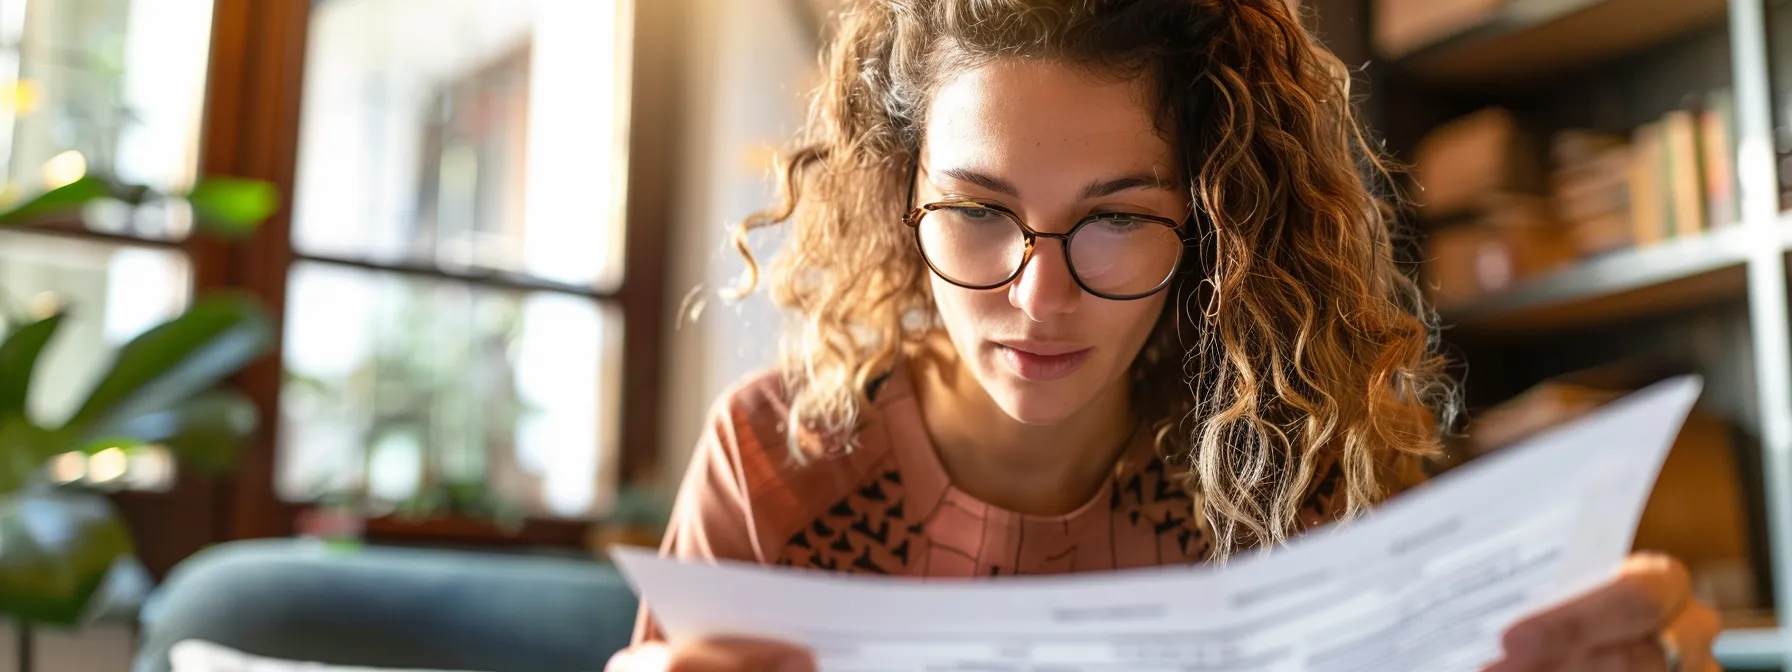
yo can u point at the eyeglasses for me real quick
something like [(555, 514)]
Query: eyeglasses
[(1117, 256)]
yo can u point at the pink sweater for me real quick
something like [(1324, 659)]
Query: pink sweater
[(887, 507)]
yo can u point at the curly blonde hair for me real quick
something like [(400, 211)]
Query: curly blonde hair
[(1301, 343)]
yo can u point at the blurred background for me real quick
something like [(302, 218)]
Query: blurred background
[(503, 223)]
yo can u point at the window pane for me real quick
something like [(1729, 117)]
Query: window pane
[(407, 391), (467, 135), (104, 86), (112, 293)]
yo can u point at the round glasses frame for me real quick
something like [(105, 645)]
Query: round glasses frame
[(913, 220)]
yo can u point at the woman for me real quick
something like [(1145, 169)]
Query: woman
[(1089, 285)]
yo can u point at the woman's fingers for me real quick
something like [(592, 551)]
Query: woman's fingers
[(1644, 655), (742, 655), (640, 658), (1650, 591), (713, 655), (1693, 633)]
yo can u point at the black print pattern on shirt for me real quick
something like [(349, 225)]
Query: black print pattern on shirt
[(863, 533), (1152, 500)]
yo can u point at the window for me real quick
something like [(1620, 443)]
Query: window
[(406, 390), (114, 87), (454, 323)]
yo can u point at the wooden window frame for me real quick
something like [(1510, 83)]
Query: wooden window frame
[(254, 89)]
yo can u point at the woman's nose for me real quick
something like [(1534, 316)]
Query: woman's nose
[(1045, 288)]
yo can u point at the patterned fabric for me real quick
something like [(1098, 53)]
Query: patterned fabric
[(887, 507), (864, 532)]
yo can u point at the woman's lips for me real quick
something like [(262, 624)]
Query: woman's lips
[(1042, 362)]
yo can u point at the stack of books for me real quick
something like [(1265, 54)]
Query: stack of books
[(1672, 178), (1499, 213), (1482, 194)]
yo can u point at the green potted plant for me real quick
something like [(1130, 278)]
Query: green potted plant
[(58, 543)]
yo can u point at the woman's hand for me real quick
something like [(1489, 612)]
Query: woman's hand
[(1630, 624), (712, 655)]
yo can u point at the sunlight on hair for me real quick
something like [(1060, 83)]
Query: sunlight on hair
[(1297, 308)]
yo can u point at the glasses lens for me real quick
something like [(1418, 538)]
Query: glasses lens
[(1124, 256), (972, 246)]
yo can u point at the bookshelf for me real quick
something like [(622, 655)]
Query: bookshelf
[(1625, 284), (1548, 59), (1525, 39), (1751, 647)]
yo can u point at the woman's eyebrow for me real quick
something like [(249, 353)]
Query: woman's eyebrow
[(984, 180), (1095, 189), (1100, 188)]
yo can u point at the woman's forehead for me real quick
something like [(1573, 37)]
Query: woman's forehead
[(1026, 119)]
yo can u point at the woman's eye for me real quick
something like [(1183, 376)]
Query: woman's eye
[(1122, 222), (975, 213)]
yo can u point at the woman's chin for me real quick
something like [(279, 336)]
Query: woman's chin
[(1039, 405)]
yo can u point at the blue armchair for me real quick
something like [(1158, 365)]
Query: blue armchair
[(391, 607)]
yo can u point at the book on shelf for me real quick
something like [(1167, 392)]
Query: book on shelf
[(1682, 173), (1648, 218), (1593, 188), (1717, 146), (1465, 162), (1572, 148), (1603, 233), (1590, 189), (1512, 238)]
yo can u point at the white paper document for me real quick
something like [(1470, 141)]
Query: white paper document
[(1427, 582)]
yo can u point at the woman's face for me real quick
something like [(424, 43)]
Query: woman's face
[(1054, 144)]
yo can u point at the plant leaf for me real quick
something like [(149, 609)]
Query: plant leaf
[(19, 354), (233, 207), (68, 197), (204, 432), (56, 548), (174, 361), (23, 449)]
